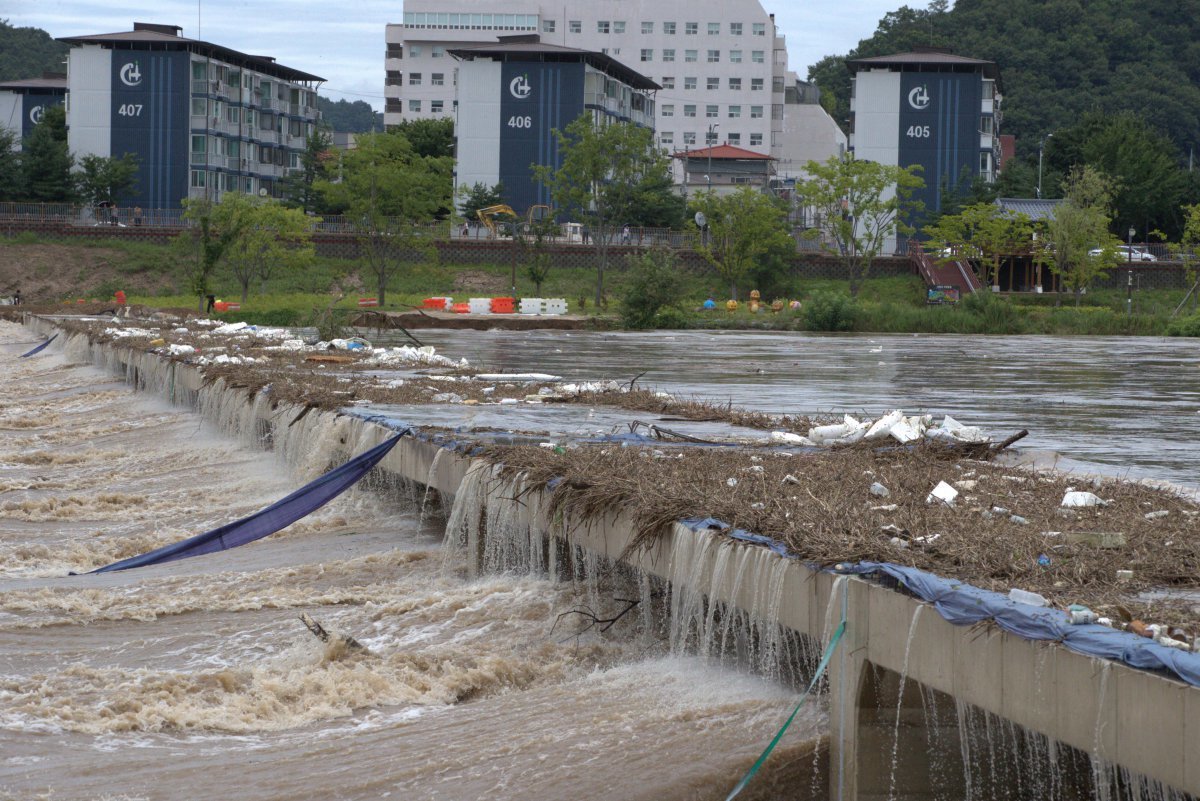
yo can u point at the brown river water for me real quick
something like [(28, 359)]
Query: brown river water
[(196, 678)]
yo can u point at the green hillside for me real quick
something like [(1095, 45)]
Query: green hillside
[(28, 52)]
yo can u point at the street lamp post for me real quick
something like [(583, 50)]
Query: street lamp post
[(1041, 148), (1129, 245), (712, 128)]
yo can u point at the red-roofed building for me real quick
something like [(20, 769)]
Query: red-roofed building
[(723, 168)]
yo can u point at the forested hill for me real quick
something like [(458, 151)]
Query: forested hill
[(1058, 59), (28, 52), (343, 115)]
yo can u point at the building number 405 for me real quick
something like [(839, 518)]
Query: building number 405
[(130, 109), (918, 131), (520, 122)]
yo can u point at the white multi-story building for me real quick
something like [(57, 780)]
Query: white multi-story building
[(722, 66)]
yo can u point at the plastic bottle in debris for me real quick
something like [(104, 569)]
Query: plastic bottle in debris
[(1027, 597)]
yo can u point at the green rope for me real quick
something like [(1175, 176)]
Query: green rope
[(833, 641)]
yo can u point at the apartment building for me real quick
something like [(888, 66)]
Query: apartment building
[(932, 108), (23, 102), (722, 66), (203, 119), (515, 94)]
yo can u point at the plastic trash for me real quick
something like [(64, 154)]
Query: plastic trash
[(1027, 597), (788, 438), (1043, 560), (943, 493), (879, 490), (883, 426), (1080, 615), (847, 431), (1078, 499), (907, 430), (1156, 515), (1124, 575)]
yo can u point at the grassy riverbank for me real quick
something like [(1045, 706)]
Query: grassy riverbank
[(56, 271)]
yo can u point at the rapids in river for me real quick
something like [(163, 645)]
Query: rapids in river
[(196, 678)]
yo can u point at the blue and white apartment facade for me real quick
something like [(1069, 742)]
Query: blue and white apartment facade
[(202, 119), (721, 64), (23, 102)]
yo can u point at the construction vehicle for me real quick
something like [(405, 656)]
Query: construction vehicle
[(488, 215)]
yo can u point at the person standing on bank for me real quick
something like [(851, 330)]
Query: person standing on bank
[(114, 215), (137, 215)]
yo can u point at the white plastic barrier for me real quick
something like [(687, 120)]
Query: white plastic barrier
[(556, 306), (481, 305), (533, 305)]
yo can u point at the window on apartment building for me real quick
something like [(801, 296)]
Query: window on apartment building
[(712, 111), (668, 54), (575, 26), (756, 112), (198, 179), (691, 28), (199, 71), (714, 29), (436, 106), (735, 29), (758, 28), (735, 56), (777, 111), (691, 55), (711, 137), (735, 84), (985, 163), (714, 84), (668, 110), (437, 51), (733, 138), (199, 143), (414, 51), (985, 124), (714, 56), (547, 26), (758, 56), (199, 107), (233, 114), (414, 105), (603, 26), (393, 78), (647, 27), (647, 54), (755, 139), (735, 112), (689, 83), (437, 79), (756, 84), (619, 26), (294, 161), (689, 110), (414, 79), (668, 83), (989, 90), (669, 28), (666, 138), (689, 137), (777, 83), (294, 128)]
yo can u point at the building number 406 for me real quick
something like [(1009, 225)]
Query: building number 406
[(520, 122), (918, 131), (130, 109)]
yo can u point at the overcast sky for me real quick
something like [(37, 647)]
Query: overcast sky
[(343, 41)]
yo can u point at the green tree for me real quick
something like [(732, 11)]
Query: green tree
[(106, 179), (264, 237), (1079, 245), (202, 244), (28, 52), (654, 285), (12, 178), (391, 193), (431, 138), (349, 116), (473, 198), (654, 203), (858, 206), (744, 228), (1188, 253), (46, 160), (602, 166), (985, 232), (298, 190)]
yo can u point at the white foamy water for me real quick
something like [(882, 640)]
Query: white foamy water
[(197, 677)]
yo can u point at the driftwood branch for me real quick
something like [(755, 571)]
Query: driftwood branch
[(322, 634), (587, 613)]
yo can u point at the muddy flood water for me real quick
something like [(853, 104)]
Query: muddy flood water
[(196, 678)]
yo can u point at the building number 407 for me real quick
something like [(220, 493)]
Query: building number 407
[(520, 122), (130, 109), (918, 131)]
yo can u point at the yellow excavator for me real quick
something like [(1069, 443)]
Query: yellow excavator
[(488, 215)]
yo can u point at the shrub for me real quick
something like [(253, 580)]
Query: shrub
[(1185, 326), (654, 285), (830, 311), (671, 317), (994, 314)]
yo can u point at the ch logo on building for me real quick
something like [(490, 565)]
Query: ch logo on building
[(918, 98), (519, 87), (131, 74), (35, 114)]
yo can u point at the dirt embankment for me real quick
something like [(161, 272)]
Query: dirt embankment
[(48, 273)]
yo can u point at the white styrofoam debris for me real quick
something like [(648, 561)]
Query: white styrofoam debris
[(1074, 499), (515, 376), (231, 328), (176, 349), (879, 490), (788, 438), (943, 493)]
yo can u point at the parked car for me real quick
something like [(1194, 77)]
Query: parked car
[(1127, 253)]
